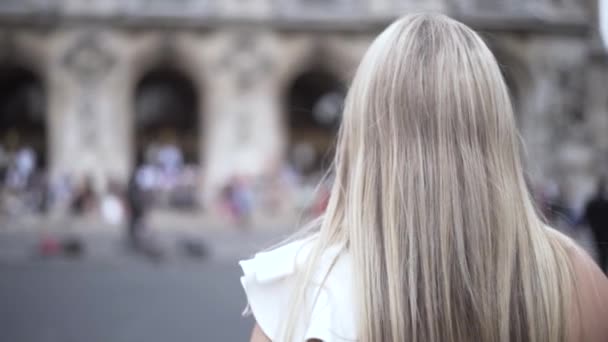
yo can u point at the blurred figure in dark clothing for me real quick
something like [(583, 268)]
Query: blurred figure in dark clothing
[(237, 199), (596, 215), (136, 210), (39, 193), (84, 199)]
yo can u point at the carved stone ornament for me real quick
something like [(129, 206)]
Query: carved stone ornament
[(90, 62), (246, 59), (88, 58), (87, 120)]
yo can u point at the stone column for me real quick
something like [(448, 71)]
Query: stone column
[(243, 118), (114, 115), (81, 109)]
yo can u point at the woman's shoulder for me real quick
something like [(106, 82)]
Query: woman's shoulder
[(591, 293), (269, 280)]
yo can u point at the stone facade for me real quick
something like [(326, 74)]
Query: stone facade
[(242, 57)]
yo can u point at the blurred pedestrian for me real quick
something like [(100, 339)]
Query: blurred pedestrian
[(136, 210), (112, 206), (84, 198), (21, 170), (596, 215), (237, 201)]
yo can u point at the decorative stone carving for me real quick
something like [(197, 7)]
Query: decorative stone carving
[(88, 59), (246, 59), (90, 63), (87, 121)]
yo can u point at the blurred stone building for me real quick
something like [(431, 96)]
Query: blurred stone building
[(241, 85)]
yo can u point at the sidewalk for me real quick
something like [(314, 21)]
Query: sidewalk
[(177, 236)]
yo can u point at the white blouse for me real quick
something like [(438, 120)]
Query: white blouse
[(269, 279)]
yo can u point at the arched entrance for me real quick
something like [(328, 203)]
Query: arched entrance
[(167, 107), (314, 109), (23, 141), (23, 134), (22, 106), (167, 133)]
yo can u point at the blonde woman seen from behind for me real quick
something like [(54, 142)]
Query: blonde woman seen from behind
[(430, 234)]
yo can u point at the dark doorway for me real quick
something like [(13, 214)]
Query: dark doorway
[(167, 137), (166, 107), (22, 113), (315, 102)]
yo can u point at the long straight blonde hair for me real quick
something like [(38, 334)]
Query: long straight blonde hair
[(430, 200)]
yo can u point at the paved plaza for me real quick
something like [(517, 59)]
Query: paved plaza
[(107, 293), (130, 301)]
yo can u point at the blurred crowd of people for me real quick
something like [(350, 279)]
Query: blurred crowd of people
[(164, 180), (23, 185)]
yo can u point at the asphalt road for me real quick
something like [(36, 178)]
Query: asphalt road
[(116, 300)]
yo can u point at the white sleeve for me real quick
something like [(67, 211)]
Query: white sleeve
[(268, 283), (269, 280)]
